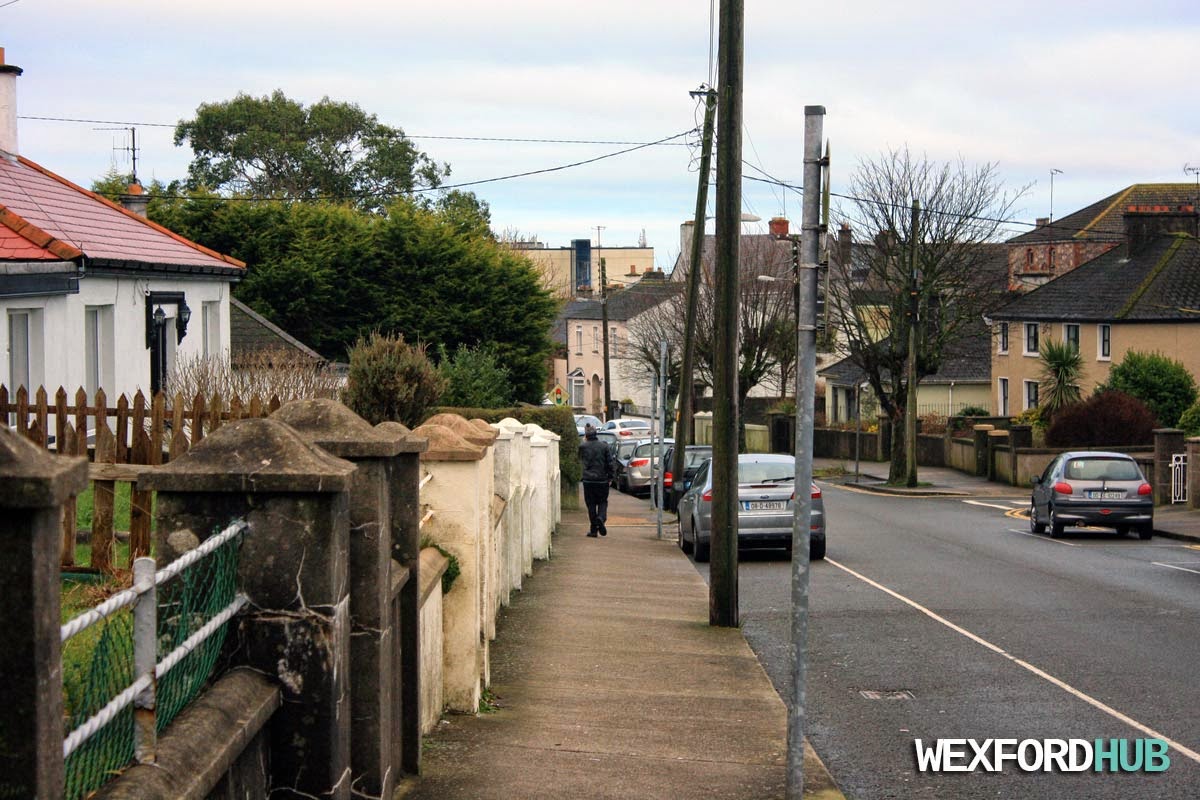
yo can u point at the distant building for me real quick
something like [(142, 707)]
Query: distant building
[(574, 271)]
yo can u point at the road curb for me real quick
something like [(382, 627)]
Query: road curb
[(899, 491)]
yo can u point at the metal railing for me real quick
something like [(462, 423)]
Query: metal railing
[(1179, 488), (173, 622)]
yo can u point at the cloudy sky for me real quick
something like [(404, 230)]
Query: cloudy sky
[(1104, 91)]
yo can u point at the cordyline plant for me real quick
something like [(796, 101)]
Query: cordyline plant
[(1060, 370)]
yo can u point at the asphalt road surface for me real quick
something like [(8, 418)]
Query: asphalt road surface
[(938, 618)]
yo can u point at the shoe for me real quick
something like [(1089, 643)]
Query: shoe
[(591, 534), (604, 531)]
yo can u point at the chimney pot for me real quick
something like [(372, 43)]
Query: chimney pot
[(778, 226), (1043, 222)]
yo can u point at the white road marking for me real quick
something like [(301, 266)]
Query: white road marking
[(1042, 538), (1066, 687), (1173, 566), (985, 505)]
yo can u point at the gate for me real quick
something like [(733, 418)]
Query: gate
[(1179, 492)]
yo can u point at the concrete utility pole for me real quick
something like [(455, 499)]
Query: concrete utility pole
[(662, 434), (723, 575), (806, 382), (683, 430), (608, 409), (914, 310)]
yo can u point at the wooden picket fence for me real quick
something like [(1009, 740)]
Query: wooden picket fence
[(140, 435)]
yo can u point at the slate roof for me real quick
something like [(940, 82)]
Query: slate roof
[(250, 332), (1102, 220), (624, 304), (1161, 283), (44, 216), (967, 360)]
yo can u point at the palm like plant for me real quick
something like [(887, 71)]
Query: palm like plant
[(1060, 370)]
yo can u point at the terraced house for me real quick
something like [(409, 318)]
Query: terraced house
[(1142, 294)]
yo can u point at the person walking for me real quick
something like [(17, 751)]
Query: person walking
[(598, 468)]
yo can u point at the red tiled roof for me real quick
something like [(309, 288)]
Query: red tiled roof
[(49, 213)]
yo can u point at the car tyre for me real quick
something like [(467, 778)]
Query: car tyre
[(1056, 527), (1122, 530), (623, 484), (699, 549), (1034, 525), (684, 544), (1145, 531), (816, 549)]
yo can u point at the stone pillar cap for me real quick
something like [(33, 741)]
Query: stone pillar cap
[(463, 428), (1168, 430), (336, 429), (446, 445), (983, 427), (410, 442), (503, 434), (251, 455), (30, 477), (508, 423), (997, 433)]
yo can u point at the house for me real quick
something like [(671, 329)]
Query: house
[(579, 328), (251, 333), (1143, 295), (574, 271), (93, 294), (1055, 248)]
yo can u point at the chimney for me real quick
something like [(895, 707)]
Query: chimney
[(1041, 222), (778, 226), (686, 231), (8, 106), (845, 240), (1145, 223), (135, 199)]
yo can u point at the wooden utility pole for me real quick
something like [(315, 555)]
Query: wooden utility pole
[(683, 431), (723, 583), (914, 311)]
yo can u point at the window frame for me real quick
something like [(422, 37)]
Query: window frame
[(578, 340), (1068, 328), (1028, 385), (1104, 342), (1002, 347), (1035, 329), (1002, 397)]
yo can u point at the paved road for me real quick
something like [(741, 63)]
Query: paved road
[(970, 627)]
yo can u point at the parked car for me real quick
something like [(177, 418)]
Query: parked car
[(766, 503), (623, 451), (628, 428), (694, 458), (1092, 488), (587, 419), (635, 477)]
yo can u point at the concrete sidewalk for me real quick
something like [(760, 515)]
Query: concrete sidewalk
[(608, 682)]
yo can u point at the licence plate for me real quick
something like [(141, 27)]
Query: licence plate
[(1099, 495), (764, 505)]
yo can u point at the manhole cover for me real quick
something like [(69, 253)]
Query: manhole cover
[(872, 694)]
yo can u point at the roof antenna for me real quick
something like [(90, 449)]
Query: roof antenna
[(1194, 170), (132, 149)]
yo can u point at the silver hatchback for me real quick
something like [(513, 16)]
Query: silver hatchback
[(766, 503), (1092, 488)]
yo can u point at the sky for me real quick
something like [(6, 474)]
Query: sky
[(1103, 91)]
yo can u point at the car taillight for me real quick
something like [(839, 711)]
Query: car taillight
[(1062, 487), (816, 493), (667, 480), (707, 496), (1145, 489), (639, 462), (624, 433)]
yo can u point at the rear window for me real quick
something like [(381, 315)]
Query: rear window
[(635, 424), (766, 472), (695, 458), (1101, 469), (647, 449), (625, 449)]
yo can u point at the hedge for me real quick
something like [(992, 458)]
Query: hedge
[(560, 420)]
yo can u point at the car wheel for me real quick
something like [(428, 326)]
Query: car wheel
[(1145, 531), (623, 484), (700, 549), (1034, 525), (1122, 530), (1056, 527), (816, 549), (684, 544)]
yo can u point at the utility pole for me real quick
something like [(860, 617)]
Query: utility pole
[(658, 477), (723, 575), (683, 430), (608, 407), (1053, 172), (806, 382), (914, 311)]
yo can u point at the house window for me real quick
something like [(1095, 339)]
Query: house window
[(578, 341), (1104, 342), (1029, 257), (24, 350), (1031, 339), (1003, 350), (1050, 259), (211, 320), (595, 338), (1031, 395), (1071, 336), (577, 384), (612, 342), (1002, 396), (98, 349)]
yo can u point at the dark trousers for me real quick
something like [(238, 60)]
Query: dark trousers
[(595, 497)]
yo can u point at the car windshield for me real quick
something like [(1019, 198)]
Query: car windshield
[(1101, 469), (625, 449), (765, 472), (647, 449)]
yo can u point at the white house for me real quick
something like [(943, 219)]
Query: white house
[(94, 294)]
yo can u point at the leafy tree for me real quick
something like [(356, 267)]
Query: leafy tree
[(962, 210), (475, 378), (1189, 421), (1160, 382), (1060, 370), (277, 147), (390, 379)]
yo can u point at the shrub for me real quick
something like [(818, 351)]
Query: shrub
[(391, 380), (1107, 419), (558, 419), (475, 377), (933, 423), (1162, 383), (1031, 416), (973, 411), (280, 372), (1189, 421)]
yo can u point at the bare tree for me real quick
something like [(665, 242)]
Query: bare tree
[(959, 271)]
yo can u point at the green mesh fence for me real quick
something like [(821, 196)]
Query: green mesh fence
[(98, 665)]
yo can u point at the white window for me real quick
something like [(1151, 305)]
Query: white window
[(1104, 342), (99, 352), (595, 338), (1003, 336), (1031, 395), (1071, 335), (612, 342), (210, 314), (1031, 339), (24, 350), (578, 341), (577, 385), (1002, 396)]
